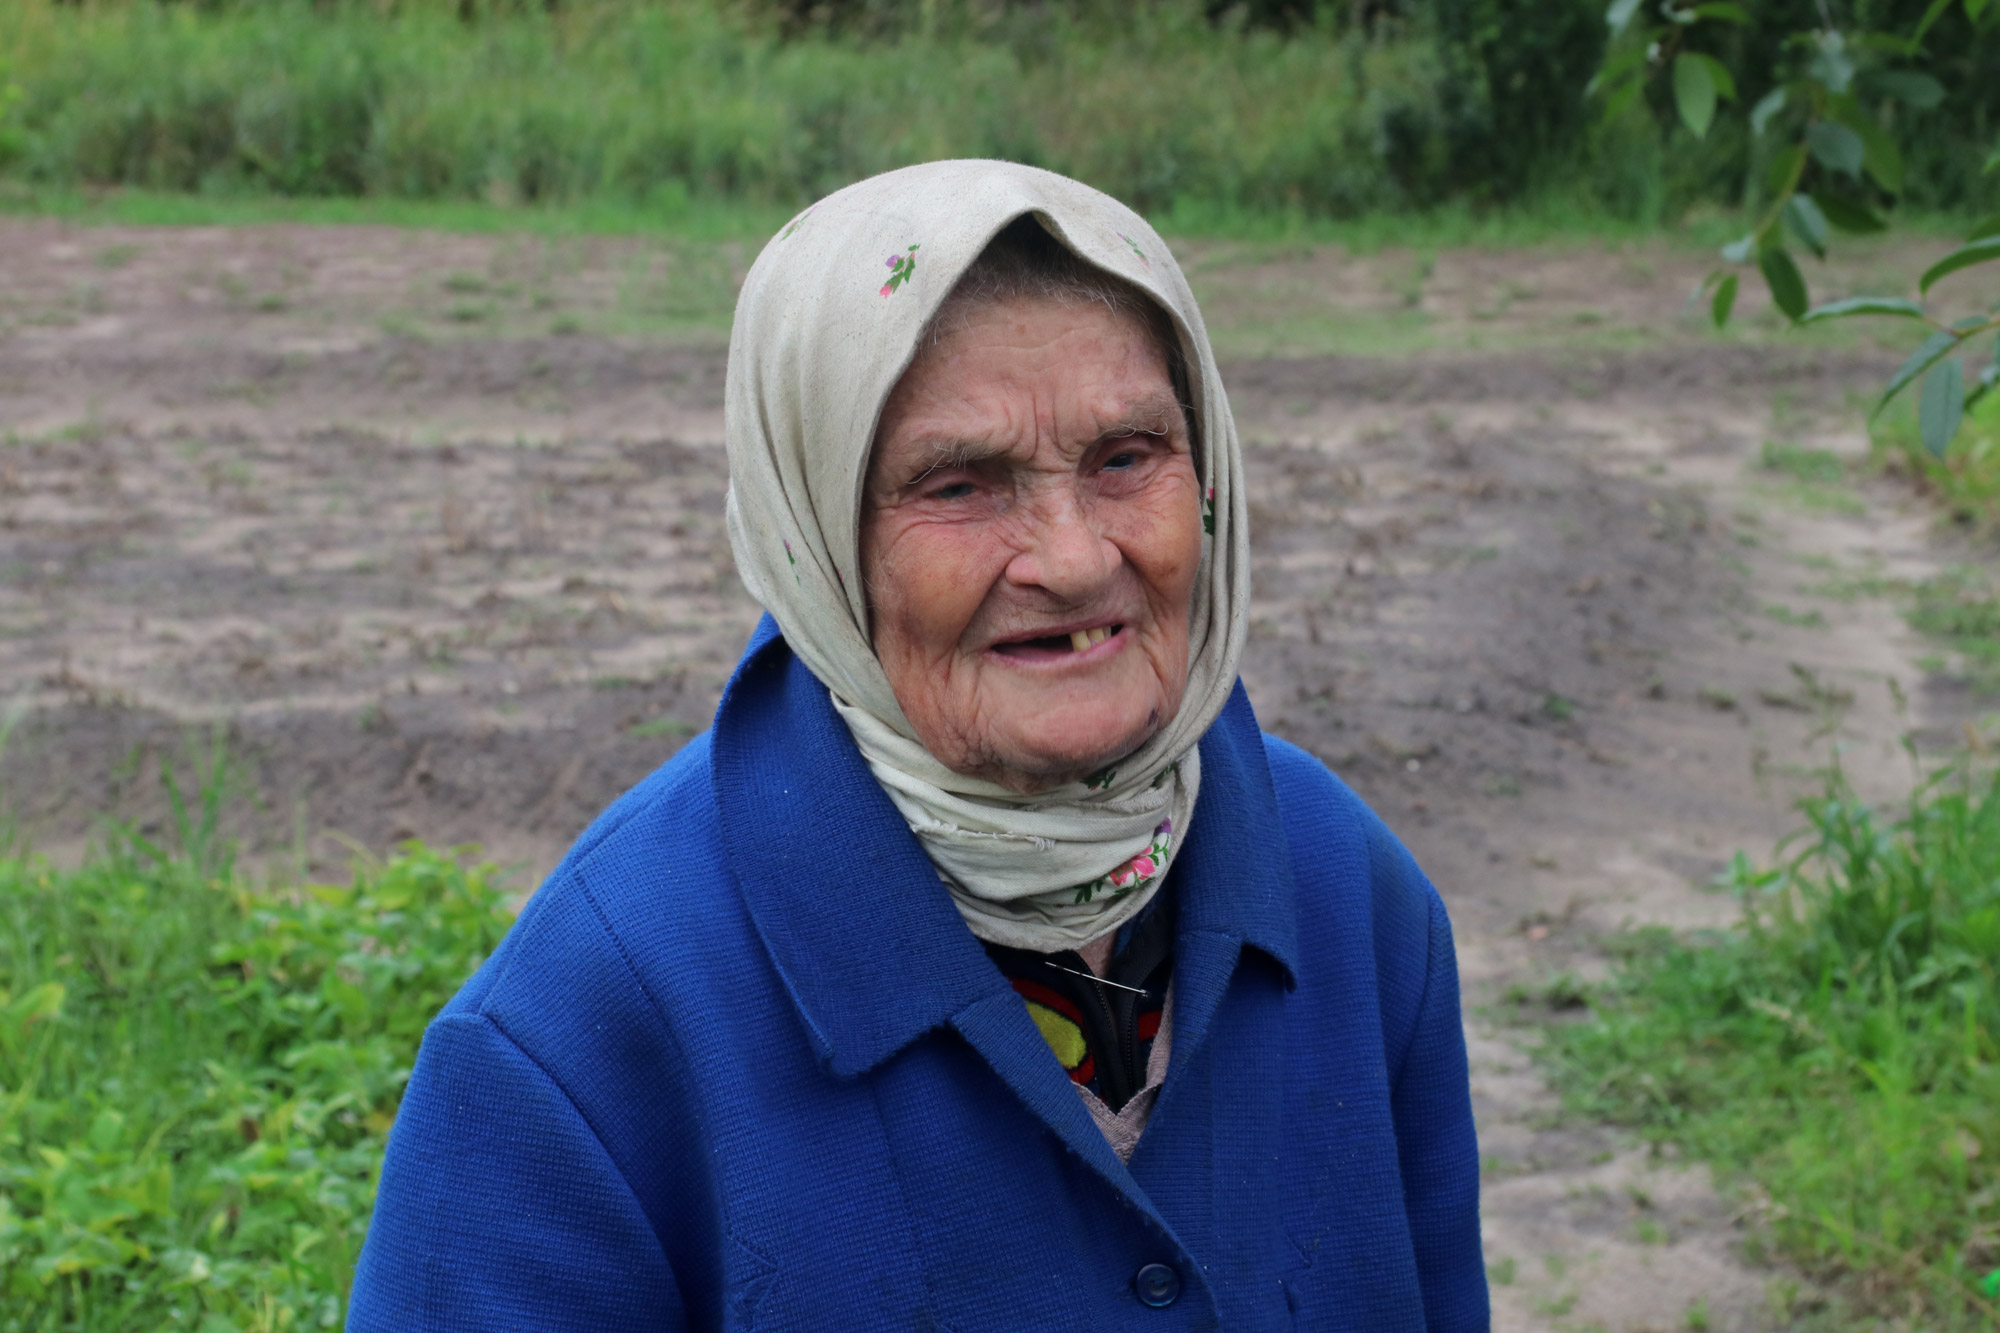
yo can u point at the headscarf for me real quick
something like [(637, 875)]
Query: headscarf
[(830, 316)]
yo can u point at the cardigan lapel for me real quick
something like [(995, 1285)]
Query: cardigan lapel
[(861, 930), (867, 941), (1234, 876)]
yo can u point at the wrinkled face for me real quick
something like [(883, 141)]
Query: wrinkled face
[(1031, 528)]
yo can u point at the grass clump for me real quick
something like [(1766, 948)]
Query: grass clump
[(197, 1078), (1839, 1051), (1802, 463), (1966, 481)]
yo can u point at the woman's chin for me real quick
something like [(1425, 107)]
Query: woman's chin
[(1047, 756)]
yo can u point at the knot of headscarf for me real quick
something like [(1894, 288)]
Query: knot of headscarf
[(829, 318)]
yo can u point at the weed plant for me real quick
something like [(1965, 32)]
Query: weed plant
[(1966, 481), (196, 1076), (1839, 1052)]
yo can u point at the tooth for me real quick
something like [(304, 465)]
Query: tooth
[(1100, 634), (1079, 640)]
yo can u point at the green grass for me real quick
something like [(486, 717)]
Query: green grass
[(702, 219), (197, 1076), (1546, 219), (1801, 463), (651, 105), (1838, 1054), (1961, 606)]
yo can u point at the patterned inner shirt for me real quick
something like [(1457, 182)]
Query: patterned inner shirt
[(1101, 1033)]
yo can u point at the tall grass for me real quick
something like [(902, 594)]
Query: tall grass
[(1840, 1051), (196, 1077), (653, 102)]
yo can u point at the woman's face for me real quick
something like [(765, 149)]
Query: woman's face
[(1031, 527)]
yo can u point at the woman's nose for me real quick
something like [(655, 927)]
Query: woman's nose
[(1063, 552)]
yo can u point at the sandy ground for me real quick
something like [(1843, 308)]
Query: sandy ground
[(429, 529)]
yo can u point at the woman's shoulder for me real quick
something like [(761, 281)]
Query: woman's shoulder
[(653, 857), (1308, 789), (1346, 861), (1313, 801)]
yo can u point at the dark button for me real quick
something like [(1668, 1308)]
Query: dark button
[(1157, 1285)]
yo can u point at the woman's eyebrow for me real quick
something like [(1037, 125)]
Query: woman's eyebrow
[(1149, 414), (944, 454)]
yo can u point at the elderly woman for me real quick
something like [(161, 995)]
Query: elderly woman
[(984, 967)]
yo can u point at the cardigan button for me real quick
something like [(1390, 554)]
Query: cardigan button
[(1157, 1285)]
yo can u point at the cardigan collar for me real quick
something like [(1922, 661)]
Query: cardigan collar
[(866, 939)]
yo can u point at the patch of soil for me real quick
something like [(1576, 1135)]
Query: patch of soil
[(1539, 607)]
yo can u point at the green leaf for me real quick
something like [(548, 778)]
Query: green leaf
[(1988, 378), (1807, 223), (1620, 14), (1864, 305), (1974, 8), (1881, 156), (1739, 250), (1787, 284), (1724, 301), (1769, 105), (1837, 147), (1723, 12), (1936, 347), (1831, 64), (1615, 69), (1694, 92), (1942, 406), (1615, 105), (1783, 176), (1719, 75), (1848, 215), (1908, 86), (1931, 15), (1979, 252), (1989, 227)]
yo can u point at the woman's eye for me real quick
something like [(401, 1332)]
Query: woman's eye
[(1119, 462), (958, 490)]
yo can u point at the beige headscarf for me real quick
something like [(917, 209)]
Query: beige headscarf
[(830, 316)]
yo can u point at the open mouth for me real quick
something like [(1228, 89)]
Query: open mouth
[(1055, 646)]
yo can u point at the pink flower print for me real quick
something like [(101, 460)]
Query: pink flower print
[(901, 268), (1145, 868)]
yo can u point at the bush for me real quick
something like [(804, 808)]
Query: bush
[(1516, 98), (196, 1079), (1839, 1049)]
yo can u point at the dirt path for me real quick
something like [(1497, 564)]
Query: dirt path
[(1579, 650), (465, 579)]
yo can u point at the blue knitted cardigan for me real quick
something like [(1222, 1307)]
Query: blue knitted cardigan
[(740, 1065)]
